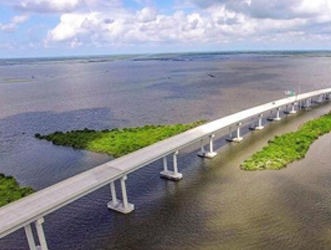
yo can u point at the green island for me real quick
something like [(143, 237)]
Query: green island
[(279, 152), (11, 191), (289, 147), (117, 142)]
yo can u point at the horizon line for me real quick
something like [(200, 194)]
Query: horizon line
[(169, 53)]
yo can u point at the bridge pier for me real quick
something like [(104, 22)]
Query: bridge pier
[(238, 138), (230, 135), (168, 174), (324, 97), (270, 118), (211, 154), (277, 117), (259, 126), (299, 105), (314, 100), (40, 233), (317, 99), (29, 236), (121, 206), (306, 103), (292, 111)]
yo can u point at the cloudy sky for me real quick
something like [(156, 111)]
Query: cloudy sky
[(91, 27)]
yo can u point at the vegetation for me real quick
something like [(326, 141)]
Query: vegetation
[(117, 142), (289, 147), (11, 191), (14, 80)]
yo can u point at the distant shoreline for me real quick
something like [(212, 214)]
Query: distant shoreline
[(161, 56)]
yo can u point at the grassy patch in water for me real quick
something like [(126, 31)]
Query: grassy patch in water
[(117, 142), (14, 80), (289, 147), (11, 191)]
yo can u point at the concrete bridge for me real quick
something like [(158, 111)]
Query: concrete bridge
[(31, 211)]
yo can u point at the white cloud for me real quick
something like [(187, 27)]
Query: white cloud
[(60, 6), (13, 25), (108, 22), (48, 5), (127, 28), (146, 15), (275, 9), (210, 25)]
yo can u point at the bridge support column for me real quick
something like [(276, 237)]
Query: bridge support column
[(271, 118), (168, 174), (259, 126), (211, 154), (314, 100), (327, 96), (277, 117), (238, 138), (113, 194), (324, 97), (230, 137), (321, 98), (123, 206), (304, 104), (317, 99), (41, 234), (202, 151), (292, 111), (29, 236), (165, 164)]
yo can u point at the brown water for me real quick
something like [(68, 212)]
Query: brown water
[(216, 205)]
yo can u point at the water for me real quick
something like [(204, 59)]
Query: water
[(216, 205)]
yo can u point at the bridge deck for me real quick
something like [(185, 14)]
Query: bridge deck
[(27, 210)]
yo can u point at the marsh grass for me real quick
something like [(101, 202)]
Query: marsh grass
[(11, 191), (14, 80), (117, 142), (289, 147)]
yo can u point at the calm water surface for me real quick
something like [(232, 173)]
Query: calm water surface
[(216, 205)]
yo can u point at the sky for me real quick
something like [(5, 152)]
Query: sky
[(44, 28)]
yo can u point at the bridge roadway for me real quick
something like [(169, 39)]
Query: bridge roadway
[(31, 210)]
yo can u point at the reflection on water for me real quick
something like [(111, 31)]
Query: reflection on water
[(216, 205)]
